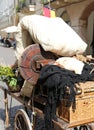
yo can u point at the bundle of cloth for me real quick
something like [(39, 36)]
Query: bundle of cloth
[(53, 34)]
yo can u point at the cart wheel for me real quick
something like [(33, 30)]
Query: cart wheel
[(83, 127), (21, 121)]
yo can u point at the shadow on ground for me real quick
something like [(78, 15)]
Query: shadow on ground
[(12, 111)]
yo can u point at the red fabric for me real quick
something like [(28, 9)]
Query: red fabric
[(46, 12)]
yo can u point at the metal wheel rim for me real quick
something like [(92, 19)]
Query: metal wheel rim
[(21, 121)]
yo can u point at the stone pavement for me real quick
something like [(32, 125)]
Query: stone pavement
[(7, 57), (13, 104), (1, 125)]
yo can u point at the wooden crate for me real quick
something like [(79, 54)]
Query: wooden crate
[(84, 111)]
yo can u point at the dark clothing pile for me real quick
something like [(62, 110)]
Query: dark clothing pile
[(57, 81)]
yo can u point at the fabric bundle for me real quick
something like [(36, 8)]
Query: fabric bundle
[(48, 12)]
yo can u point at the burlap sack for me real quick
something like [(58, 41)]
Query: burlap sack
[(70, 63), (54, 35), (26, 89), (23, 39)]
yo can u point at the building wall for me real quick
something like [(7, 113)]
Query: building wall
[(6, 12), (79, 14)]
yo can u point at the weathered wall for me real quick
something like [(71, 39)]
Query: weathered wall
[(79, 16)]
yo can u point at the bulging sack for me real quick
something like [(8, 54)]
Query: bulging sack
[(71, 64), (23, 39), (54, 35)]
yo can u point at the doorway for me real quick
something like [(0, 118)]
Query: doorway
[(90, 33)]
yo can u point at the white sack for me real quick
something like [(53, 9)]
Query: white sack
[(54, 35), (23, 39), (70, 63)]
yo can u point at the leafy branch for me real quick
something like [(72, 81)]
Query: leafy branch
[(7, 75)]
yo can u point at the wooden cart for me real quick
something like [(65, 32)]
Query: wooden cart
[(66, 117)]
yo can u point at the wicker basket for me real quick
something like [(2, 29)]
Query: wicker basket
[(84, 111)]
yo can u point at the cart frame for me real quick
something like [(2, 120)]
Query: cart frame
[(58, 125)]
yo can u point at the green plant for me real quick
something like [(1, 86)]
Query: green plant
[(44, 1), (22, 1), (21, 5), (18, 8), (7, 75)]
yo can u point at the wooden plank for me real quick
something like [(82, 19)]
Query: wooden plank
[(40, 99), (60, 124), (25, 101)]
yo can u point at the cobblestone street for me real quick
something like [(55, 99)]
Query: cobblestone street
[(13, 107), (7, 57)]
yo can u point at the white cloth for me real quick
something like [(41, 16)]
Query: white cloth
[(54, 35), (23, 39), (71, 63)]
